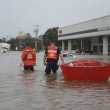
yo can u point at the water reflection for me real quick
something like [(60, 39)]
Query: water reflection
[(78, 95)]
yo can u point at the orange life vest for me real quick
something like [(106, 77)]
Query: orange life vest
[(52, 52)]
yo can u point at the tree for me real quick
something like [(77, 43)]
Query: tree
[(50, 34), (13, 42), (28, 35), (20, 41)]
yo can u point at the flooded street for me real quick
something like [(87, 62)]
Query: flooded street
[(35, 91)]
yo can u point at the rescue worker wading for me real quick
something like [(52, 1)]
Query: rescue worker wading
[(51, 57), (29, 58)]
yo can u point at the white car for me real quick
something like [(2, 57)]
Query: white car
[(68, 55)]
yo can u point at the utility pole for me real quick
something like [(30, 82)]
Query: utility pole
[(36, 35), (42, 41)]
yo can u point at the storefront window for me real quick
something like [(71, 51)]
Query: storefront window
[(109, 48), (94, 48), (100, 40), (109, 39), (101, 48)]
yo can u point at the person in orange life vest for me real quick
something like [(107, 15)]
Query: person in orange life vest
[(51, 57), (29, 58)]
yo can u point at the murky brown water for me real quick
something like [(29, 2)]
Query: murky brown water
[(35, 91)]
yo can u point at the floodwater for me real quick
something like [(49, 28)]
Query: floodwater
[(34, 91)]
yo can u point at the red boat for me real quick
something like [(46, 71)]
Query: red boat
[(86, 70)]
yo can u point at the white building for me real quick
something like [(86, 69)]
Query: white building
[(96, 30)]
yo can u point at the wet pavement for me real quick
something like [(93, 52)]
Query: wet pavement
[(20, 90)]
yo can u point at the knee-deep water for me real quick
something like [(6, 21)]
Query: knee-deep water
[(21, 90)]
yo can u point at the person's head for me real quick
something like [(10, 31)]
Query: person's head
[(52, 42), (27, 45)]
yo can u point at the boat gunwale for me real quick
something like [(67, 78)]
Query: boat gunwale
[(101, 64)]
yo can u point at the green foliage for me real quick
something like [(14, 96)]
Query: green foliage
[(14, 43), (28, 35), (20, 43), (50, 34)]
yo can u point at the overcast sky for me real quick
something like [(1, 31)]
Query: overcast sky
[(23, 15)]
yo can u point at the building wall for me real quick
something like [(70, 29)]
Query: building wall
[(95, 27)]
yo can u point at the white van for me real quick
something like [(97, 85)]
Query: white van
[(4, 47)]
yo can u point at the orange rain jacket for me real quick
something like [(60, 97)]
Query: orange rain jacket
[(28, 57)]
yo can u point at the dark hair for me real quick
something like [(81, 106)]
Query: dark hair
[(27, 44), (52, 41)]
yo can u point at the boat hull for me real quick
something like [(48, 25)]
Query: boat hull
[(86, 70)]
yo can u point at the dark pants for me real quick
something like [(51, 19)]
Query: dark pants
[(29, 68), (51, 66)]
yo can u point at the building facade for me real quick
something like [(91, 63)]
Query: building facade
[(97, 31)]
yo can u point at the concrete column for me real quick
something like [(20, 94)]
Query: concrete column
[(105, 45), (81, 44), (98, 48), (91, 45), (69, 46), (63, 45)]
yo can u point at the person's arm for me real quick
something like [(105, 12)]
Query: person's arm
[(34, 58), (23, 56), (61, 57), (22, 59), (44, 59)]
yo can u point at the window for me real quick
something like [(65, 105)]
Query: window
[(109, 48), (101, 49), (94, 48), (109, 39), (100, 39)]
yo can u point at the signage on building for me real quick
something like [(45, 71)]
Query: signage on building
[(21, 35), (104, 28), (60, 31)]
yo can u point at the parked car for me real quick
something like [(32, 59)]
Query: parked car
[(78, 51), (88, 51), (67, 55)]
